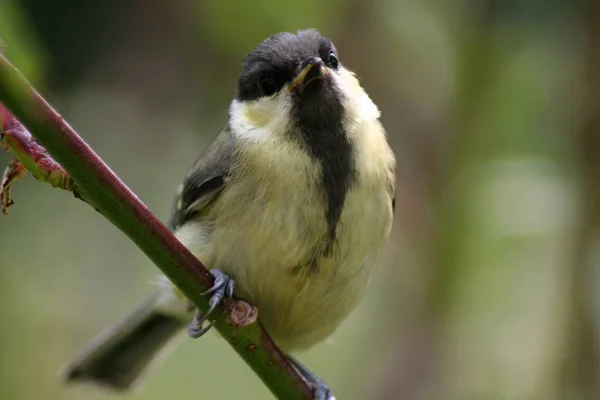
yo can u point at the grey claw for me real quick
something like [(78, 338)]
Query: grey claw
[(229, 289), (219, 282), (195, 329), (223, 286), (320, 389), (320, 394)]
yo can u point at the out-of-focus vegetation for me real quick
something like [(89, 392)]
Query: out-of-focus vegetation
[(488, 287)]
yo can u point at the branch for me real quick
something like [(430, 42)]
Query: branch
[(29, 156), (81, 170)]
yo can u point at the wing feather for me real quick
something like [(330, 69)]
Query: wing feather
[(205, 180)]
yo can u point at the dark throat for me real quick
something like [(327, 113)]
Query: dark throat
[(324, 138)]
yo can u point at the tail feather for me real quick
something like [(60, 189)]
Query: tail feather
[(122, 353)]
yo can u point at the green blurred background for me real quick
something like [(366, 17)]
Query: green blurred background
[(488, 288)]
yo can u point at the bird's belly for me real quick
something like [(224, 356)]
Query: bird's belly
[(270, 252)]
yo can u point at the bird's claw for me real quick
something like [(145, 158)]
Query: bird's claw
[(320, 389), (223, 286)]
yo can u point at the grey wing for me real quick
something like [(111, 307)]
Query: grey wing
[(205, 180)]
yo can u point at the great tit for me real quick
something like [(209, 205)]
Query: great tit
[(290, 207)]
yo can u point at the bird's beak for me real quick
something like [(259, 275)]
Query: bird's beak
[(310, 69)]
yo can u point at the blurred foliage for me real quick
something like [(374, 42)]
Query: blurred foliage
[(263, 17), (488, 287), (18, 41)]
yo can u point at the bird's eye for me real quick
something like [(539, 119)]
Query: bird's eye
[(333, 60), (267, 85)]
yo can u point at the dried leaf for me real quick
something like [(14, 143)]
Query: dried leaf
[(14, 172)]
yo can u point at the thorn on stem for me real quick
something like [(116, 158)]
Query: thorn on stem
[(243, 314)]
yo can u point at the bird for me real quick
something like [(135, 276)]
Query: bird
[(290, 208)]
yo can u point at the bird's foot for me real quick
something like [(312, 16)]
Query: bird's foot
[(320, 390), (223, 286)]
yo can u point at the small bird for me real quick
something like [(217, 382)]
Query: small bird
[(290, 207)]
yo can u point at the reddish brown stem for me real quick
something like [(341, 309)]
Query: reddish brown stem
[(104, 191)]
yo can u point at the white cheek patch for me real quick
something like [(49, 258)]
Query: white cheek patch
[(269, 117), (261, 119), (357, 99)]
